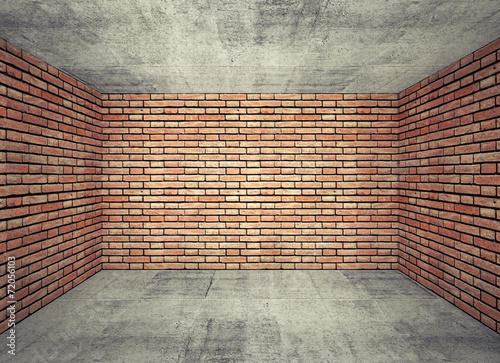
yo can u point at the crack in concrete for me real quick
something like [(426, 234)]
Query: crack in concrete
[(210, 285)]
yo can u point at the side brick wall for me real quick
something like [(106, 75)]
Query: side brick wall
[(450, 183), (50, 181)]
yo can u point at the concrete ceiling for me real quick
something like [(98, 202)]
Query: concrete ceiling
[(250, 46)]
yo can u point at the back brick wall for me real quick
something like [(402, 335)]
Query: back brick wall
[(250, 181)]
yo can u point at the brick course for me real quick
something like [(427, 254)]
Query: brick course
[(251, 181)]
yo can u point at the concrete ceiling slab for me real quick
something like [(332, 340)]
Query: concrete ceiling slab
[(251, 46)]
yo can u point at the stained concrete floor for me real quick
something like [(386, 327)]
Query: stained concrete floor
[(251, 316)]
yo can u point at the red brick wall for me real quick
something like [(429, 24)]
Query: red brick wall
[(50, 155), (250, 181), (450, 184)]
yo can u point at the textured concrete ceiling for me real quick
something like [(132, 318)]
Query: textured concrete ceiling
[(251, 46)]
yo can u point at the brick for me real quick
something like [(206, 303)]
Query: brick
[(487, 49)]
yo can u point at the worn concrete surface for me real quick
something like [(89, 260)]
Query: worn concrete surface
[(251, 316), (254, 46)]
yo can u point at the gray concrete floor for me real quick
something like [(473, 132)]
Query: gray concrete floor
[(251, 316)]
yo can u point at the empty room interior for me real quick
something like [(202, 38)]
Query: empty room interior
[(250, 181)]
